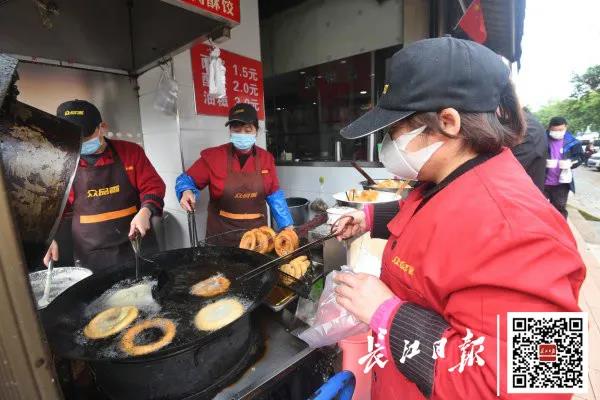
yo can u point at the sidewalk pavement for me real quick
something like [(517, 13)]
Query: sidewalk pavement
[(588, 243)]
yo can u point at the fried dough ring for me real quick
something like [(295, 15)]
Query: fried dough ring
[(294, 236), (286, 242), (213, 286), (165, 325), (271, 234), (110, 322), (218, 314), (248, 240), (262, 241)]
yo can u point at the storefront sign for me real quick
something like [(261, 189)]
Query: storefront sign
[(228, 9), (244, 82)]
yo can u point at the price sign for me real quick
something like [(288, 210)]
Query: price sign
[(243, 82)]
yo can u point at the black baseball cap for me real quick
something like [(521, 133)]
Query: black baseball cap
[(244, 113), (81, 113), (433, 74)]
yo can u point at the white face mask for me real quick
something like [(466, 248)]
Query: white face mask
[(557, 135), (402, 163)]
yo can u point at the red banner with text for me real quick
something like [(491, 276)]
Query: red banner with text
[(243, 82), (228, 9)]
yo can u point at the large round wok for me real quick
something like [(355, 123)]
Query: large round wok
[(176, 271)]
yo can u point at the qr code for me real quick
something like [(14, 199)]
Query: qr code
[(547, 352)]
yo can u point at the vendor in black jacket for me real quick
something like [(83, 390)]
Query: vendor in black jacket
[(532, 152)]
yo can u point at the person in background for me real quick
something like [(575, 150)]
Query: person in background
[(565, 153), (532, 152), (115, 192), (241, 177), (588, 151), (474, 241)]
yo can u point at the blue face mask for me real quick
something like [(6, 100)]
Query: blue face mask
[(243, 141), (90, 146)]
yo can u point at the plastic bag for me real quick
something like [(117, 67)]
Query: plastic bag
[(165, 99), (366, 262), (332, 322), (216, 75), (566, 176), (306, 310)]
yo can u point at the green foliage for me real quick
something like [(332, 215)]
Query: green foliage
[(587, 82), (582, 108)]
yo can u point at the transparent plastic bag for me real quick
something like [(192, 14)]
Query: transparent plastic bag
[(216, 75), (332, 322), (306, 310), (165, 99)]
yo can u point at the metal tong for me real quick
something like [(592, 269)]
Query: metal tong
[(192, 228), (299, 251), (136, 242)]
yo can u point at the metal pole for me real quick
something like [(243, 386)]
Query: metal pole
[(512, 30), (371, 137)]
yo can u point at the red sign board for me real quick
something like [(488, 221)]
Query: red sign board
[(228, 9), (243, 82)]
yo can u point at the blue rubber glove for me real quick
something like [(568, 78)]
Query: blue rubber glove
[(280, 210), (340, 386), (185, 182)]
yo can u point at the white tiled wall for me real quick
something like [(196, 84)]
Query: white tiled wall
[(166, 137)]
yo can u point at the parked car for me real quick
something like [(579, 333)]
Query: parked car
[(594, 161)]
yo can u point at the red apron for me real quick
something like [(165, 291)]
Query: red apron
[(242, 205), (105, 203)]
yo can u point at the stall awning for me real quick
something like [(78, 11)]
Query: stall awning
[(122, 35)]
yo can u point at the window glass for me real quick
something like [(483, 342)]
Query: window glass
[(306, 109)]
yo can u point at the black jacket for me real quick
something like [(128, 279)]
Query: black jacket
[(533, 151)]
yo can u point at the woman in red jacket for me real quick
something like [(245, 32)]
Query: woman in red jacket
[(241, 178), (474, 241)]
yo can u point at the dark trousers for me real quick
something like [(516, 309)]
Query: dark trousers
[(558, 195)]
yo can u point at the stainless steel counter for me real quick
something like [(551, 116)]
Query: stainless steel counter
[(284, 353)]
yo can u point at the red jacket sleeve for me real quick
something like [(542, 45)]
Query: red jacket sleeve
[(147, 181), (199, 172), (272, 184)]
